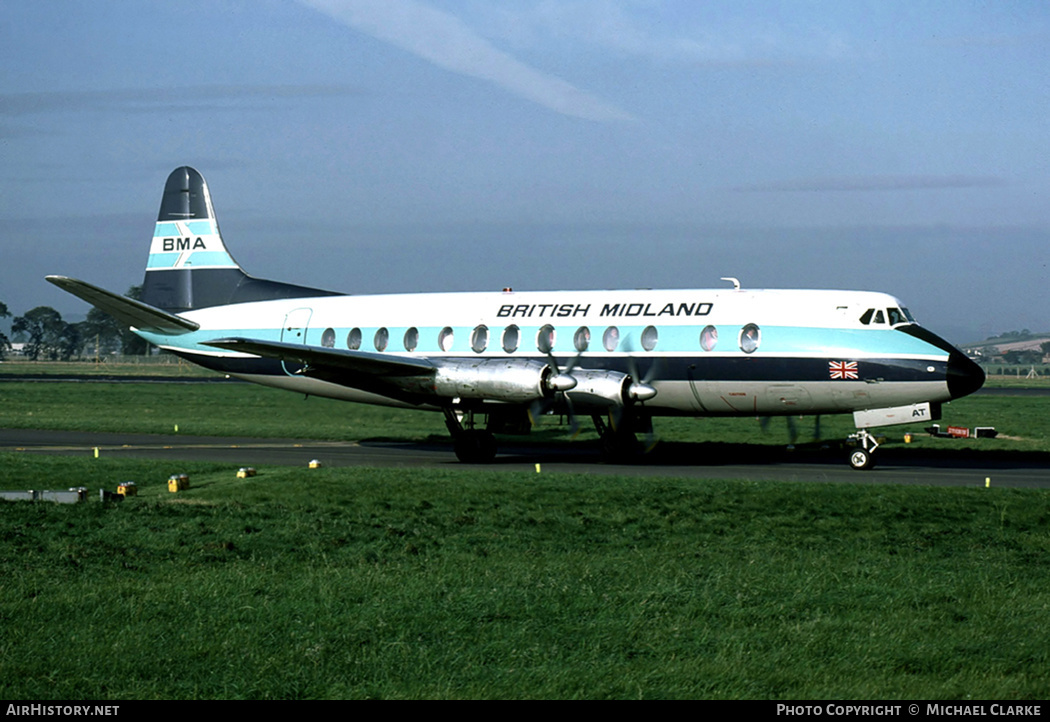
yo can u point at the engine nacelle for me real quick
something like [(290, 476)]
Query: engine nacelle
[(599, 389), (498, 379)]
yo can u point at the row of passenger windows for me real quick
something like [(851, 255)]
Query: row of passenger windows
[(748, 339)]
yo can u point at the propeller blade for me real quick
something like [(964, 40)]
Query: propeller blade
[(638, 389)]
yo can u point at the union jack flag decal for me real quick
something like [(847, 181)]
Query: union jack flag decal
[(843, 370)]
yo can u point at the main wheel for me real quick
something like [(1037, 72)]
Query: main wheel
[(861, 459), (475, 446)]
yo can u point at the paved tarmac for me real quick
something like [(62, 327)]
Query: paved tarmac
[(895, 465)]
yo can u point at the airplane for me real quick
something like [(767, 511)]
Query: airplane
[(506, 357)]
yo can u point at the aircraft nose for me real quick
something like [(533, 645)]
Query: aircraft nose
[(964, 376)]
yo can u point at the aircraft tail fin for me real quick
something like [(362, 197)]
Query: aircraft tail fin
[(189, 266)]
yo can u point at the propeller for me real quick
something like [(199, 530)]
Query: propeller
[(559, 382), (639, 390)]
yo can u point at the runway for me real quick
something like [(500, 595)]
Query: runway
[(895, 466)]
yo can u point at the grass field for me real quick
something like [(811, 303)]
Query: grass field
[(237, 409), (358, 583)]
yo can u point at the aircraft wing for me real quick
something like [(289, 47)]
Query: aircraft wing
[(126, 310), (354, 362)]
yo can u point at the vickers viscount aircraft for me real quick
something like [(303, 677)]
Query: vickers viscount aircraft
[(503, 358)]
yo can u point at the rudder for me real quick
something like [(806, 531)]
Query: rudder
[(189, 266)]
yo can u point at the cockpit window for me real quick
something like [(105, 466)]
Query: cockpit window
[(896, 316)]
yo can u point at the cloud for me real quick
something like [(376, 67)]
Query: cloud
[(152, 99), (445, 41), (873, 183)]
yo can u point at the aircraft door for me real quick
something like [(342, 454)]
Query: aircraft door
[(293, 330)]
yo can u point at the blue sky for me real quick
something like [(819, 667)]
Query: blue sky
[(390, 145)]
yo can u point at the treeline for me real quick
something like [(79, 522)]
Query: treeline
[(48, 337), (1029, 356)]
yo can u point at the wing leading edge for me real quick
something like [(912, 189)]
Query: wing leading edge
[(356, 362)]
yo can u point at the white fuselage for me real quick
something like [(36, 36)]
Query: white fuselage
[(707, 352)]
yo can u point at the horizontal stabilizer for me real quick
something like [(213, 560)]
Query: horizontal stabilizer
[(126, 310), (358, 362)]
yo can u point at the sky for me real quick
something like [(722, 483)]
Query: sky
[(375, 146)]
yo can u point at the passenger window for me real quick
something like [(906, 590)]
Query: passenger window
[(328, 338), (511, 334), (611, 338), (545, 339), (353, 339), (582, 339), (382, 337), (411, 339), (750, 338), (709, 338), (649, 338), (479, 340), (445, 339)]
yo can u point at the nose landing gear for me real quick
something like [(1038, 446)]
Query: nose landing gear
[(862, 456)]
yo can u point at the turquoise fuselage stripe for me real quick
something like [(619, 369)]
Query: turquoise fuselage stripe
[(833, 343)]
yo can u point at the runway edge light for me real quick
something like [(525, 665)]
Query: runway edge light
[(178, 482)]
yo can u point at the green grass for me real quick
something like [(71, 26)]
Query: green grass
[(337, 583), (358, 583), (236, 409), (161, 365)]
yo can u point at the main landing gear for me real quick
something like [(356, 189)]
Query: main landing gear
[(862, 456), (472, 445), (619, 437)]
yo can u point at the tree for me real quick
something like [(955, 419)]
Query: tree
[(132, 345), (69, 341), (49, 336), (5, 343), (102, 333)]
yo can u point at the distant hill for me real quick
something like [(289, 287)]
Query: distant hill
[(1014, 348), (1012, 342)]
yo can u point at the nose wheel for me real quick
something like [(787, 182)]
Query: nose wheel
[(862, 456)]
